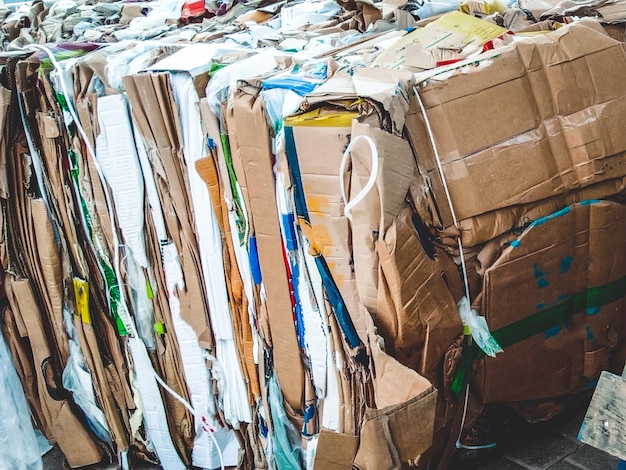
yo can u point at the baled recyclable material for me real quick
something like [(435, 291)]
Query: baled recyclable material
[(306, 234), (563, 303)]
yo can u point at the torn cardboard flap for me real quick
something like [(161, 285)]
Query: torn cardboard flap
[(391, 88), (404, 400), (379, 206), (422, 308)]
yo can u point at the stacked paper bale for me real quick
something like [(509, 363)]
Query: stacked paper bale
[(524, 156), (241, 250)]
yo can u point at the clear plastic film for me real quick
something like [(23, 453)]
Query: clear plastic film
[(19, 449), (286, 449), (478, 328)]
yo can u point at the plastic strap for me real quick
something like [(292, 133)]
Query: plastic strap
[(348, 205), (431, 137), (590, 298)]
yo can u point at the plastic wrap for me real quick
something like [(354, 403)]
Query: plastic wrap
[(18, 443), (286, 451)]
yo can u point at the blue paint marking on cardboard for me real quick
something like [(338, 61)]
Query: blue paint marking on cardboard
[(563, 297), (566, 264), (538, 272), (551, 332), (589, 333), (515, 243), (543, 283), (541, 306), (592, 310), (547, 218)]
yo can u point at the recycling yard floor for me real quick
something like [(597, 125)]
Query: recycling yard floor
[(551, 445)]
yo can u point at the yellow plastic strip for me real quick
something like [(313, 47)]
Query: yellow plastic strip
[(81, 291)]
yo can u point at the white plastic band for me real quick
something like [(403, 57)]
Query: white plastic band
[(431, 137), (370, 182), (207, 428)]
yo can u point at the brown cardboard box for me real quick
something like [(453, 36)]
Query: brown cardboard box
[(554, 300), (542, 114)]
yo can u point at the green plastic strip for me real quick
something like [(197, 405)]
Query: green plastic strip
[(592, 297), (241, 221), (149, 289), (159, 328)]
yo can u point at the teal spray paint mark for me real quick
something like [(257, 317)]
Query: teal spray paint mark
[(552, 332), (593, 310), (566, 264)]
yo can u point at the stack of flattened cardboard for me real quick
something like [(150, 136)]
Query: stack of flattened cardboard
[(309, 238), (524, 159)]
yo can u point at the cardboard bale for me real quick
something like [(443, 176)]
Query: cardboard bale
[(554, 300), (542, 116)]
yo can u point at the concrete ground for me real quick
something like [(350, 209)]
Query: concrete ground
[(552, 445)]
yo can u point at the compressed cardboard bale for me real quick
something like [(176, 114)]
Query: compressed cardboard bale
[(328, 231), (554, 300), (535, 119)]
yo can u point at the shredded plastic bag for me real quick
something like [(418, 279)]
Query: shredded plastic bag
[(19, 449), (286, 451), (478, 328)]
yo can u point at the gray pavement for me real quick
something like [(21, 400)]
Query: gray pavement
[(551, 445)]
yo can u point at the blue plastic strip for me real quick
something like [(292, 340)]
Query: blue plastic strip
[(255, 267), (290, 231)]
